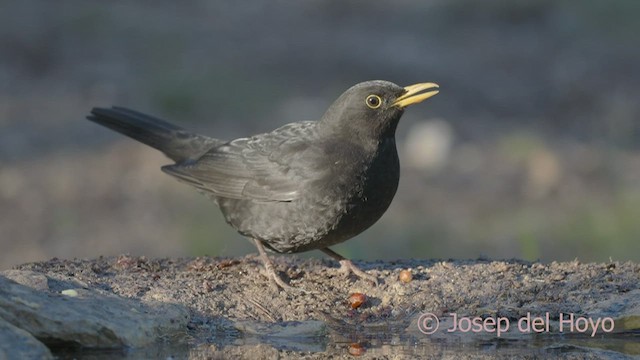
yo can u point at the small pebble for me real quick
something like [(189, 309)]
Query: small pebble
[(69, 292), (357, 299), (405, 276), (356, 349)]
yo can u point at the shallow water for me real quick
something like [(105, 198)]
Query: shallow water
[(335, 346)]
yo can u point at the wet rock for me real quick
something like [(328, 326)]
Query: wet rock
[(289, 329), (91, 319), (16, 343), (306, 336), (623, 308)]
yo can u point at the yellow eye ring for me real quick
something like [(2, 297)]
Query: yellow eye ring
[(373, 101)]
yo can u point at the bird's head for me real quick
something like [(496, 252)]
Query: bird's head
[(370, 110)]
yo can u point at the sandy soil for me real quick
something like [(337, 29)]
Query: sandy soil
[(229, 298)]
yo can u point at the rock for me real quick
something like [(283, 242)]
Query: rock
[(623, 308), (304, 336), (92, 319), (16, 343), (32, 279), (287, 329)]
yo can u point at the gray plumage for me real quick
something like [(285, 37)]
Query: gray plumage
[(304, 186)]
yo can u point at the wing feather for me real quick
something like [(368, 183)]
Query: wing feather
[(264, 167)]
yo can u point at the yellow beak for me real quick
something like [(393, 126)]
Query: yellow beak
[(414, 94)]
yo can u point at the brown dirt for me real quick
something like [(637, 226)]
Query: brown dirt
[(225, 294)]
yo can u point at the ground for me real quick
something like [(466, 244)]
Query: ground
[(230, 302)]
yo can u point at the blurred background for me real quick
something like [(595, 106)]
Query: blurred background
[(531, 150)]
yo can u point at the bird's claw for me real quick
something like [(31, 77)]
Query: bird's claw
[(271, 273), (277, 281), (346, 267)]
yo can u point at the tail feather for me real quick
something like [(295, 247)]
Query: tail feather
[(174, 141)]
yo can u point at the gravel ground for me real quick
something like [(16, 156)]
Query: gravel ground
[(233, 307)]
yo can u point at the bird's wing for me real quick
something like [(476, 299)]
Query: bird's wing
[(257, 168)]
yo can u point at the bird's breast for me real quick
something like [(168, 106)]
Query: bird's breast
[(349, 193), (377, 185), (356, 191)]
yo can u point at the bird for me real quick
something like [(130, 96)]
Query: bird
[(304, 186)]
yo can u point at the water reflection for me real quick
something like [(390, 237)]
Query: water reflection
[(335, 346)]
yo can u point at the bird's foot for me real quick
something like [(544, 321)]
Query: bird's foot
[(270, 271), (276, 280), (346, 266)]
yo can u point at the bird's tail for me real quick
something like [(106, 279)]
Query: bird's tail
[(175, 142)]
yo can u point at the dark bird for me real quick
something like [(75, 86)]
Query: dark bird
[(304, 186)]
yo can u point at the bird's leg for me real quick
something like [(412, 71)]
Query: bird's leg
[(346, 266), (268, 266)]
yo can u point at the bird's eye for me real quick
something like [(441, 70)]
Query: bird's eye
[(373, 101)]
